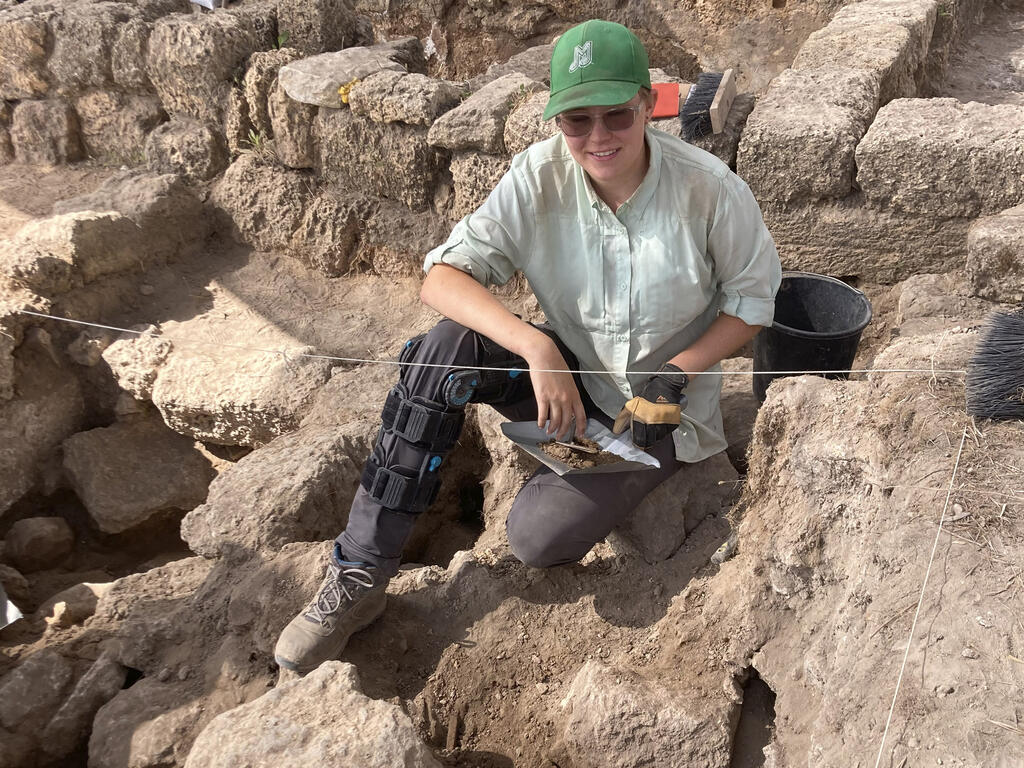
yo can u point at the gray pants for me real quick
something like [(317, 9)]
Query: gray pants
[(554, 520)]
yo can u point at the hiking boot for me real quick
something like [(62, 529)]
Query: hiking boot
[(350, 599)]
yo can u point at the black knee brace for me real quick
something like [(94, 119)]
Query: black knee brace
[(426, 425), (497, 387)]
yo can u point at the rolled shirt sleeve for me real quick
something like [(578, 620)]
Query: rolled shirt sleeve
[(745, 257), (489, 243)]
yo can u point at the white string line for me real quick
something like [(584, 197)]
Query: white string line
[(287, 355), (920, 600)]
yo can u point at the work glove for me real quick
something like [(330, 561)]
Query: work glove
[(655, 413)]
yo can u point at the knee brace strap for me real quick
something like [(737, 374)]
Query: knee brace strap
[(394, 490), (420, 421)]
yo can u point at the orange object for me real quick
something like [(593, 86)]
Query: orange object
[(668, 99)]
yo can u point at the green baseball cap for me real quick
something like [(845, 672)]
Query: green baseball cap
[(596, 64)]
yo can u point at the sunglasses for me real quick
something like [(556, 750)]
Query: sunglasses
[(582, 123)]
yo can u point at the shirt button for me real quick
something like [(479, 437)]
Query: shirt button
[(622, 286)]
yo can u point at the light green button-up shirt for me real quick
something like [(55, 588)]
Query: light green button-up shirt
[(628, 290)]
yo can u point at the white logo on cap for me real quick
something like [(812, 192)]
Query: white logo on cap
[(583, 56)]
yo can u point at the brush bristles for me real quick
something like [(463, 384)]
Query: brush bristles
[(695, 113), (995, 375)]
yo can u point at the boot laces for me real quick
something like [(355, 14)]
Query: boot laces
[(336, 588)]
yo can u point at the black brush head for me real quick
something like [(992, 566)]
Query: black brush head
[(995, 375), (695, 113)]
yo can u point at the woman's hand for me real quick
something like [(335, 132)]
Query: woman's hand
[(558, 400)]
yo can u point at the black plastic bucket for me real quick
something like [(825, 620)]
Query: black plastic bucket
[(817, 327)]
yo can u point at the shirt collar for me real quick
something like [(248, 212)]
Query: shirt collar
[(644, 193)]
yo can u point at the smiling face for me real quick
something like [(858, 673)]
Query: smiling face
[(615, 160)]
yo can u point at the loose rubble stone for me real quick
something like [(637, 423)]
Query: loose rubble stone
[(316, 80), (943, 158), (395, 239), (400, 97), (310, 722), (315, 26), (658, 527), (114, 125), (83, 39), (131, 471), (145, 725), (995, 256), (615, 718), (49, 407), (172, 220), (135, 362), (257, 84), (296, 488), (45, 133), (244, 399), (188, 148), (72, 605), (192, 59), (23, 57), (534, 63), (15, 585), (391, 160), (35, 543), (69, 727), (328, 237), (291, 124), (52, 255), (888, 39), (526, 124), (479, 122), (474, 175), (32, 692), (264, 201), (128, 55), (6, 147), (930, 303), (800, 139), (237, 128)]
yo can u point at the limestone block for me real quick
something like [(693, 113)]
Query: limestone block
[(933, 302), (390, 160), (69, 728), (248, 398), (800, 139), (291, 124), (616, 718), (526, 124), (45, 133), (83, 39), (114, 124), (258, 82), (296, 488), (149, 724), (474, 175), (309, 722), (192, 59), (316, 80), (265, 202), (237, 128), (995, 256), (135, 362), (315, 26), (479, 122), (128, 55), (23, 72), (32, 692), (534, 62), (943, 158), (846, 237), (658, 527), (395, 239), (328, 237), (400, 97), (188, 148), (6, 147), (52, 255), (129, 472), (172, 221), (888, 38), (36, 543)]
